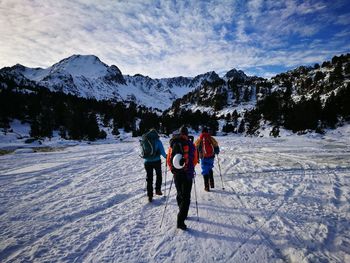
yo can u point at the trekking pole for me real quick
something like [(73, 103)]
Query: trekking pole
[(165, 177), (166, 202), (195, 195), (144, 183), (222, 182)]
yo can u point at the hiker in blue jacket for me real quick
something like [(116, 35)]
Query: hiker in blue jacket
[(151, 153)]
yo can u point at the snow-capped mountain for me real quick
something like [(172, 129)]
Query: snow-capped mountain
[(235, 89), (306, 98), (88, 77)]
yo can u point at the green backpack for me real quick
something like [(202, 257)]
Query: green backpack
[(148, 144)]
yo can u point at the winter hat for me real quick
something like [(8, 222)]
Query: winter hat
[(153, 133), (183, 130), (153, 130)]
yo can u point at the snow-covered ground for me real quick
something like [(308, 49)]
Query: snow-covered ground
[(285, 200)]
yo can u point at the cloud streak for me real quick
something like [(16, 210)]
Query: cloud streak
[(171, 38)]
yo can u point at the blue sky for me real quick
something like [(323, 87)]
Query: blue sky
[(173, 38)]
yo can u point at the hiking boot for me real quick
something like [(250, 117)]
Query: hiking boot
[(150, 199), (206, 182), (159, 192), (182, 226), (212, 185)]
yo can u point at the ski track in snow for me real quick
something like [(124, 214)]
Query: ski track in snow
[(285, 200)]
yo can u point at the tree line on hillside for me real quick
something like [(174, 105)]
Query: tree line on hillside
[(324, 101), (306, 114), (77, 118), (306, 98), (80, 119)]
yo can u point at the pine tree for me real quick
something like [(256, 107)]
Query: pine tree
[(343, 102), (326, 64), (337, 74), (318, 76), (115, 130), (220, 100), (241, 127), (247, 94), (76, 124), (335, 60), (102, 135), (347, 69), (253, 121), (46, 119), (35, 129), (228, 127), (271, 107), (92, 129), (237, 95), (303, 115), (329, 112), (62, 132)]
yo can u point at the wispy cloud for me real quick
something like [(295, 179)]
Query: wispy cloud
[(169, 38)]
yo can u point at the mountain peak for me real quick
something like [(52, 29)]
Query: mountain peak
[(19, 66), (236, 75), (209, 76), (81, 65), (91, 58)]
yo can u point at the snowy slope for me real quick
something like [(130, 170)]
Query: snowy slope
[(285, 200), (87, 76), (78, 65)]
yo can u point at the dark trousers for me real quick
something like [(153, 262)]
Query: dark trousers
[(157, 166), (183, 187), (209, 178)]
